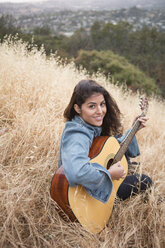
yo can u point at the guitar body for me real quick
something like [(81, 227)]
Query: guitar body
[(92, 214)]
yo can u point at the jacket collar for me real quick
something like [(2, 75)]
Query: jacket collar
[(97, 130)]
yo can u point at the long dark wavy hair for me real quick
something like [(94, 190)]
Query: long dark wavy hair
[(84, 89)]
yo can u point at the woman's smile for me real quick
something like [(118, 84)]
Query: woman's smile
[(98, 118)]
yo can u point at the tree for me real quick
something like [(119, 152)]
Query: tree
[(8, 26), (44, 30), (79, 40)]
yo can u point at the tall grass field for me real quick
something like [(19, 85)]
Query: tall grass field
[(34, 91)]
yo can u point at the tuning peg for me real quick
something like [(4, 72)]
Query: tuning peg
[(143, 103)]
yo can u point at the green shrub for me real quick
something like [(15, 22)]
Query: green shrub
[(118, 68)]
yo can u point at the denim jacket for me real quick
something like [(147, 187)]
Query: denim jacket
[(75, 143)]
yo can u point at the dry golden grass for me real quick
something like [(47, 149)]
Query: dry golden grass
[(33, 94)]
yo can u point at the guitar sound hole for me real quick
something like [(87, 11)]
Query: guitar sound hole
[(110, 162)]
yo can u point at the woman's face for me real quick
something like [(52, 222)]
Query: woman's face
[(93, 110)]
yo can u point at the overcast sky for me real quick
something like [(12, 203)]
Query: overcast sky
[(19, 1)]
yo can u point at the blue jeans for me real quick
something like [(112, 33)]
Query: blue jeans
[(132, 185)]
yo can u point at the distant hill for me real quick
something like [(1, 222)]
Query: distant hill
[(107, 4), (55, 5)]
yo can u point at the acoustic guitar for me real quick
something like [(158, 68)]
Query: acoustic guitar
[(75, 202)]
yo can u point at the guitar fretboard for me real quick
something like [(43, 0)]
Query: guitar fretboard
[(125, 143)]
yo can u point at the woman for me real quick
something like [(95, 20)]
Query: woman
[(93, 112)]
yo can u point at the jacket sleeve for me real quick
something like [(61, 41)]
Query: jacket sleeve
[(133, 148), (78, 170)]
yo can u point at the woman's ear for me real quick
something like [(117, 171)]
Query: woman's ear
[(77, 108)]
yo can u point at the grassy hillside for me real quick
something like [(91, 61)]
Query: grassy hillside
[(34, 91)]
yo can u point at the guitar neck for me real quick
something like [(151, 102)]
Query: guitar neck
[(125, 143)]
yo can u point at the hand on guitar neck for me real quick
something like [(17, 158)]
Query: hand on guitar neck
[(142, 120), (116, 171)]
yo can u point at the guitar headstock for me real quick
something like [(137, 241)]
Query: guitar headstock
[(144, 105)]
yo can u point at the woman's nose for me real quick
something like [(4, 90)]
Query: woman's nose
[(99, 109)]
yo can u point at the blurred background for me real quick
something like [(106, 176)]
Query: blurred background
[(124, 40)]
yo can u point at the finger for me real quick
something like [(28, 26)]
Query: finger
[(143, 119)]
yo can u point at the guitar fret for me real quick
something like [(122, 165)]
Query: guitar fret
[(125, 143)]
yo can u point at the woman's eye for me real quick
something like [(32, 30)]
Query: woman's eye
[(103, 104), (91, 106)]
